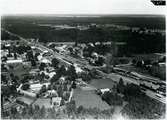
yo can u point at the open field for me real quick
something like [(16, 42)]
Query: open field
[(88, 99), (20, 70), (102, 83), (42, 102)]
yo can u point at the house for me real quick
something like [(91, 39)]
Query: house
[(46, 61), (52, 93), (14, 61), (77, 68), (50, 74), (38, 86), (39, 57), (104, 90), (28, 93), (62, 79), (94, 55), (25, 101), (56, 101), (34, 72)]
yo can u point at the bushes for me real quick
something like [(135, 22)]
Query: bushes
[(35, 112), (144, 108), (139, 105), (43, 89), (112, 98), (82, 112), (25, 86), (120, 86)]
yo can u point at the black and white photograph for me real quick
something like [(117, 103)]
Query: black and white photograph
[(76, 59)]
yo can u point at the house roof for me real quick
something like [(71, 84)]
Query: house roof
[(45, 60), (56, 99), (25, 100), (14, 61)]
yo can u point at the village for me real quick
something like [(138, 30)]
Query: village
[(91, 71)]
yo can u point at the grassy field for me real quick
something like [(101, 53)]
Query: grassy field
[(43, 102), (20, 69), (152, 56), (102, 83), (89, 99)]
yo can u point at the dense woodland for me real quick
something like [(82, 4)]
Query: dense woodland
[(136, 42), (139, 105)]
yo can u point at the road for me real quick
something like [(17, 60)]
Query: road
[(115, 77)]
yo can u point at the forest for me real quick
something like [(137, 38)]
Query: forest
[(136, 42)]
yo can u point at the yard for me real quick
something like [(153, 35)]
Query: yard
[(88, 99), (19, 70), (42, 102), (102, 83)]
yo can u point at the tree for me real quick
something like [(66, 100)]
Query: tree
[(6, 91), (15, 80), (60, 91), (15, 55), (112, 98), (71, 107), (85, 77), (13, 112), (42, 66), (33, 62), (143, 107), (65, 88), (100, 61), (4, 79), (42, 112), (30, 110), (73, 85), (134, 62), (25, 79), (55, 62), (26, 86), (43, 89), (120, 86), (30, 55), (36, 56), (4, 59), (80, 109), (70, 49), (114, 89), (139, 64), (41, 77), (132, 90), (61, 71), (72, 75), (13, 89), (24, 111), (55, 78)]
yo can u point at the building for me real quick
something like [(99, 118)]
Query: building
[(104, 90), (14, 61), (46, 61), (52, 93), (56, 101), (28, 93), (25, 101), (38, 86)]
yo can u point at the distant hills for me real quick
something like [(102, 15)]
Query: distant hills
[(148, 21)]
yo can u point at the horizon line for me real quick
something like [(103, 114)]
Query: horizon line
[(81, 15)]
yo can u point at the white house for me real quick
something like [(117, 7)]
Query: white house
[(14, 61), (27, 93), (52, 93), (104, 90), (56, 101)]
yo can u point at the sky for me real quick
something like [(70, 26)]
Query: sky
[(79, 7)]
